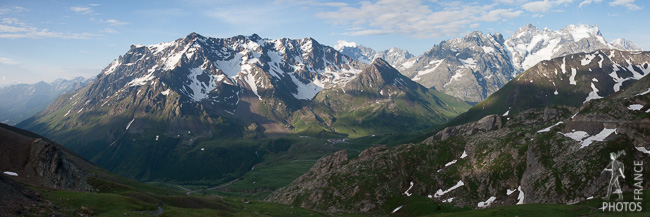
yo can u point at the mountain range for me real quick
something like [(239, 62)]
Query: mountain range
[(20, 101), (199, 88), (394, 56), (475, 66)]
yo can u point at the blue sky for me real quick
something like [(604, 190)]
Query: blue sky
[(45, 40)]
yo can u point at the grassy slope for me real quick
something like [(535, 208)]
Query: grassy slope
[(371, 115), (117, 196)]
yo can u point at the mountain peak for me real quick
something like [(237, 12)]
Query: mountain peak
[(475, 34), (254, 37), (379, 62), (378, 75), (623, 44), (527, 28), (193, 35), (581, 31)]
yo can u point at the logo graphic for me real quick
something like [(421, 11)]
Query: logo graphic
[(616, 168)]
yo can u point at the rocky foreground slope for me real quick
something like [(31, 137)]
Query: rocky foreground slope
[(26, 160)]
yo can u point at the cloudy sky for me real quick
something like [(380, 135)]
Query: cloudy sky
[(49, 39)]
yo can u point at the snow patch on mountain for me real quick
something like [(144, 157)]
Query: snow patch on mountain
[(230, 67), (306, 91), (572, 79), (593, 94), (635, 107), (111, 68), (644, 93), (129, 125), (407, 190), (440, 192), (141, 80), (199, 90), (486, 203), (549, 128), (488, 49), (434, 63), (587, 59), (586, 140)]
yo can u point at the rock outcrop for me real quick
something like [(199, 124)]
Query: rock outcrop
[(39, 162)]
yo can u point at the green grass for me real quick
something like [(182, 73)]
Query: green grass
[(101, 204), (265, 178)]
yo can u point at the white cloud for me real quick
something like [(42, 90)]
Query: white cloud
[(81, 9), (545, 5), (7, 61), (312, 3), (586, 2), (369, 32), (114, 22), (498, 14), (94, 5), (627, 3), (413, 18), (14, 9), (13, 28), (538, 6), (110, 30)]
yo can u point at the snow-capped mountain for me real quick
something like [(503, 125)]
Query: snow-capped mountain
[(475, 66), (235, 77), (571, 80), (623, 44), (201, 88), (529, 45), (20, 101), (470, 68), (394, 56)]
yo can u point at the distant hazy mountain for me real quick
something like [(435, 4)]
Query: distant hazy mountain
[(20, 101), (394, 56), (623, 44)]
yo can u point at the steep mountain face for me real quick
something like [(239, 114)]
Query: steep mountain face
[(379, 100), (394, 56), (20, 101), (470, 68), (198, 89), (541, 155), (570, 80)]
